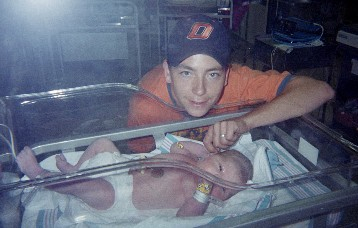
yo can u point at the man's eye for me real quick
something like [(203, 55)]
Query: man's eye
[(214, 75), (185, 73)]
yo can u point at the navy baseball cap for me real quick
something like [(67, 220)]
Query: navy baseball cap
[(198, 34)]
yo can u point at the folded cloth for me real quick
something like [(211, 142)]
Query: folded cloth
[(261, 166)]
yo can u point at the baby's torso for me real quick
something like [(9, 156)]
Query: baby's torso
[(162, 188)]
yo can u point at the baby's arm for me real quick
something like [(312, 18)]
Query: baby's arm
[(199, 202), (189, 148), (192, 207)]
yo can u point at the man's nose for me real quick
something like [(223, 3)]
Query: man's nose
[(199, 86)]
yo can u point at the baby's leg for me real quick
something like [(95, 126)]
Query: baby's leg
[(63, 165), (28, 164), (98, 146), (97, 193)]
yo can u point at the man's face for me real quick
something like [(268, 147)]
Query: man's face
[(196, 83)]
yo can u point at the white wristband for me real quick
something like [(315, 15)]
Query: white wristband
[(201, 197)]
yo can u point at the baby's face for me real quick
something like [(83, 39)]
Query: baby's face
[(224, 167)]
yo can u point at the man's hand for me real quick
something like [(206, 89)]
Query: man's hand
[(301, 95), (224, 134)]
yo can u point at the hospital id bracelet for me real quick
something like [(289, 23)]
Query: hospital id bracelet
[(201, 197), (204, 188), (202, 192)]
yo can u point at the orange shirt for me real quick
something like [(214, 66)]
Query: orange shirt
[(245, 86)]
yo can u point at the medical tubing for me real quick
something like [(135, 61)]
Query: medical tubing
[(118, 168), (32, 98), (140, 164), (10, 143), (242, 104)]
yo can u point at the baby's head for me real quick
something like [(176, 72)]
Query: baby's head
[(229, 165), (242, 163)]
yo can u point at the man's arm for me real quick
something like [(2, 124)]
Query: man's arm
[(301, 95)]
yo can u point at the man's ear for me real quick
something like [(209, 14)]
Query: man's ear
[(227, 76), (167, 72)]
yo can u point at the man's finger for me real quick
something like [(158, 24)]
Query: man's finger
[(208, 141)]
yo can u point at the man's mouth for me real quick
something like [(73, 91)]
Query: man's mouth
[(199, 103)]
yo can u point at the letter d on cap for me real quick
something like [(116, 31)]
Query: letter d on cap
[(200, 30)]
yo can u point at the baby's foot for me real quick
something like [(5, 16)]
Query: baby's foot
[(28, 164), (63, 165)]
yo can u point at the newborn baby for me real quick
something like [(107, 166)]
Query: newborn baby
[(157, 188)]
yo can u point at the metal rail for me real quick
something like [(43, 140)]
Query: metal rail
[(158, 131)]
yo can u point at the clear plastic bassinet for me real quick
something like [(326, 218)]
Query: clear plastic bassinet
[(311, 170)]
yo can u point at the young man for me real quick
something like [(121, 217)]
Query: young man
[(196, 77), (146, 189)]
